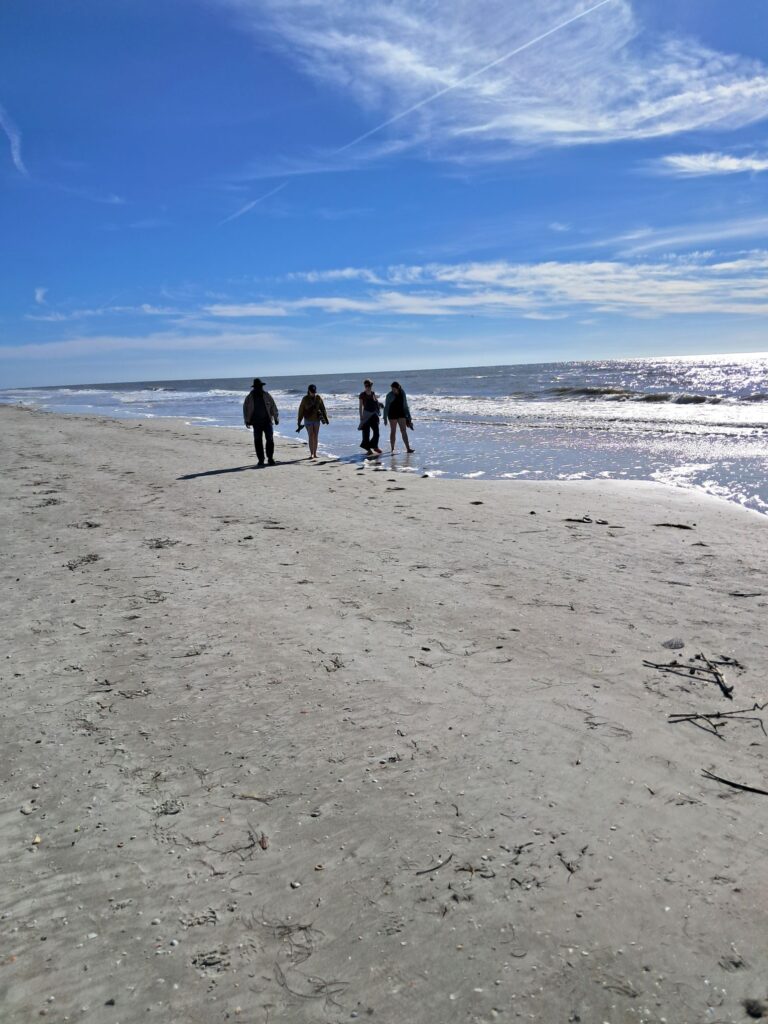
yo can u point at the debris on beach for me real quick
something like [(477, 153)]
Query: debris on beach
[(76, 563)]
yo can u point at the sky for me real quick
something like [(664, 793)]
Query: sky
[(217, 188)]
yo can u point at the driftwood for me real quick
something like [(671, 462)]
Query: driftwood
[(734, 785), (709, 722), (708, 671)]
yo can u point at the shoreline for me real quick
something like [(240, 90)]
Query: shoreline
[(352, 458), (327, 740)]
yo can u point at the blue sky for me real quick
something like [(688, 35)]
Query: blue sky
[(195, 188)]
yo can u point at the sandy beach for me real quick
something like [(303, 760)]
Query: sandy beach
[(328, 742)]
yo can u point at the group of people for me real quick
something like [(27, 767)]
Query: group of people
[(261, 413)]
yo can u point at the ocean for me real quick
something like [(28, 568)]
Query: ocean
[(693, 422)]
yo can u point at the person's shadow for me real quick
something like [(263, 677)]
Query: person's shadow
[(238, 469)]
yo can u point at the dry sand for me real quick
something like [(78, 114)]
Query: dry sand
[(321, 743)]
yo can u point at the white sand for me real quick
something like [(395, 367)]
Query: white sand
[(246, 728)]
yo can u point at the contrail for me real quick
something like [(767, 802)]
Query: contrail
[(468, 78), (430, 99), (253, 202), (14, 138)]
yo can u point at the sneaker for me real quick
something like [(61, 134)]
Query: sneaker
[(260, 465), (272, 462), (377, 450)]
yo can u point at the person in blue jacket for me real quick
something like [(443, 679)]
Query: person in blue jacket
[(398, 414)]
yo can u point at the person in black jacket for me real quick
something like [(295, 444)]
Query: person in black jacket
[(260, 412), (370, 407)]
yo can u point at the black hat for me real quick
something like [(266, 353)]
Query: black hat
[(258, 383), (312, 387), (394, 384)]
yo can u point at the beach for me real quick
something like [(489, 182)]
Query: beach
[(328, 742)]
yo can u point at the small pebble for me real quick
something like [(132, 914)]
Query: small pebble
[(155, 920), (295, 885)]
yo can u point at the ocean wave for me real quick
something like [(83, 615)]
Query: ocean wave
[(590, 392), (618, 394)]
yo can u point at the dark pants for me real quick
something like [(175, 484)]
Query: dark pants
[(370, 433), (262, 429)]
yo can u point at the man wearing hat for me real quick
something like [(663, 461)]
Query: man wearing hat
[(259, 412)]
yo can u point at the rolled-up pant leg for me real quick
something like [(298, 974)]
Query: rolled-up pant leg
[(371, 433)]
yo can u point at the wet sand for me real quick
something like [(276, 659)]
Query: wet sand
[(327, 742)]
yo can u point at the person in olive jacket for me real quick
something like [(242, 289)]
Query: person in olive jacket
[(260, 412), (312, 411)]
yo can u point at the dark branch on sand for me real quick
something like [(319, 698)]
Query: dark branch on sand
[(734, 785), (436, 867), (713, 725)]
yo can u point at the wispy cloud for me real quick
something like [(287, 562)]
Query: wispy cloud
[(685, 236), (342, 274), (157, 343), (464, 81), (489, 78), (246, 309), (548, 290), (694, 165), (62, 316), (40, 294), (14, 138)]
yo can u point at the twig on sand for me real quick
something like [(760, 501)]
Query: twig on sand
[(708, 671), (718, 675), (735, 785), (436, 867), (742, 715)]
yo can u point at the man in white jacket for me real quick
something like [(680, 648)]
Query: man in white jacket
[(260, 412)]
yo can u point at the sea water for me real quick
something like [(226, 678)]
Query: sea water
[(693, 422)]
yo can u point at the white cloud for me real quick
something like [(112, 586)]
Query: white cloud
[(450, 66), (58, 316), (14, 138), (684, 236), (343, 274), (246, 309), (693, 165), (40, 294), (688, 285), (157, 343)]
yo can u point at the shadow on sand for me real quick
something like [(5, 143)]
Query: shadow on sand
[(237, 469)]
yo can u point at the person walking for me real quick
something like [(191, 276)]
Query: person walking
[(312, 411), (398, 414), (370, 407), (260, 412)]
